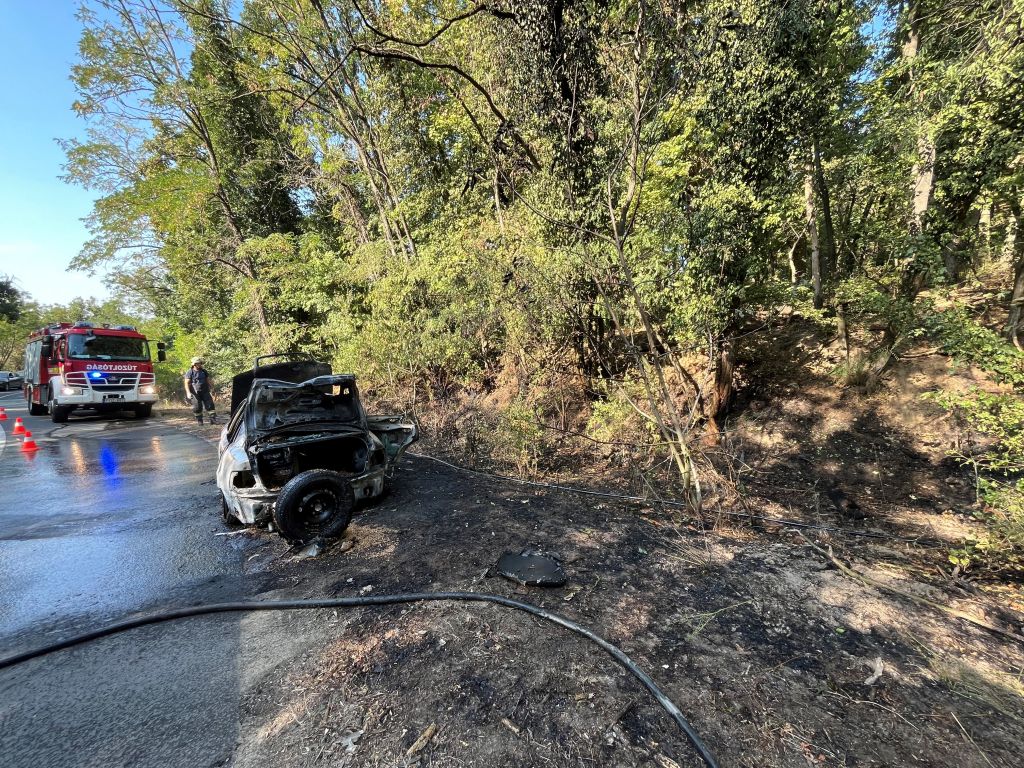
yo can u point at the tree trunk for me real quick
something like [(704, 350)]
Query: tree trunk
[(922, 175), (1010, 236), (725, 370), (955, 252), (985, 230), (850, 260), (260, 310), (793, 271), (828, 236), (844, 330), (812, 232), (1015, 244)]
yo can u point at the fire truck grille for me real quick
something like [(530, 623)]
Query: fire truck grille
[(110, 382)]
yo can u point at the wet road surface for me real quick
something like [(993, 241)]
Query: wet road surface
[(103, 521), (109, 518)]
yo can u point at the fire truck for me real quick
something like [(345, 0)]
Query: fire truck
[(82, 365)]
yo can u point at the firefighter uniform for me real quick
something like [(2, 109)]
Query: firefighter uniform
[(197, 389)]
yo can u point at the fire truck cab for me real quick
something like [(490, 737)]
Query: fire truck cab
[(82, 365)]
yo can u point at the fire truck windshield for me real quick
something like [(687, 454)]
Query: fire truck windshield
[(107, 348)]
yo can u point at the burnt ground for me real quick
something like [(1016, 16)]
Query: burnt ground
[(764, 646), (772, 653)]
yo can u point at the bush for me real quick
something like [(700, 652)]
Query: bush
[(1000, 471), (519, 438), (966, 340), (855, 372)]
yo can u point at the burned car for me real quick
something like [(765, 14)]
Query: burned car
[(299, 450)]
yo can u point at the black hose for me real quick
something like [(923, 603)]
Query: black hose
[(351, 602)]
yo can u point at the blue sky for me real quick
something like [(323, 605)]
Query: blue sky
[(40, 216)]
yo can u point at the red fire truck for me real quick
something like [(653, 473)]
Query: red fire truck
[(82, 365)]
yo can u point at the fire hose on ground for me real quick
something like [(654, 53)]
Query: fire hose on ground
[(375, 600)]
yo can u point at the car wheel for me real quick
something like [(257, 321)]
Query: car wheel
[(314, 505), (144, 411)]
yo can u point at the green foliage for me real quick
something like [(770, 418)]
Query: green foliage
[(520, 438), (856, 372), (967, 340), (998, 418), (610, 187), (10, 300), (610, 418), (13, 333), (878, 299)]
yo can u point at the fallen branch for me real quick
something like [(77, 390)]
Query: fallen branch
[(423, 740), (845, 569)]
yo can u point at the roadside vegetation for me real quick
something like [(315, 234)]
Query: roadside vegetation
[(536, 224)]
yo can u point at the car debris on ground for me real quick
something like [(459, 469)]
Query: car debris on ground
[(531, 568)]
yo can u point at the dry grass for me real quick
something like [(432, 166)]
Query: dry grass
[(978, 682)]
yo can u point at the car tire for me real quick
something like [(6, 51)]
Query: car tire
[(144, 411), (316, 504)]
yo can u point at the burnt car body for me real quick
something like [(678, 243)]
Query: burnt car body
[(300, 451)]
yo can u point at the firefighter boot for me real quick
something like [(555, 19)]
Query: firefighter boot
[(213, 417), (199, 418)]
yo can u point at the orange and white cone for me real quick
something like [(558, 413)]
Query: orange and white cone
[(29, 444), (19, 427), (3, 414)]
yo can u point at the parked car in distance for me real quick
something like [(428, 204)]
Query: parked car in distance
[(11, 380), (299, 450)]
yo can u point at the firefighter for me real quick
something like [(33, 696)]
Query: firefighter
[(199, 390)]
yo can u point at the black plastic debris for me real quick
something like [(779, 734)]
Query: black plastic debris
[(531, 569)]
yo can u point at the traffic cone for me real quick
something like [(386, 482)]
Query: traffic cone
[(29, 444), (3, 414), (19, 427)]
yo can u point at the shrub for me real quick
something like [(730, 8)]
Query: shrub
[(1000, 418)]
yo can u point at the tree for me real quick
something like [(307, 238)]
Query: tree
[(10, 300), (189, 159)]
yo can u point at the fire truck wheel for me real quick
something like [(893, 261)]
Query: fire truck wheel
[(58, 414), (316, 504), (35, 409), (144, 411)]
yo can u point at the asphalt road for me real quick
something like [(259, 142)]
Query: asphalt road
[(109, 518)]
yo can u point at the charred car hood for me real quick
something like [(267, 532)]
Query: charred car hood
[(324, 403)]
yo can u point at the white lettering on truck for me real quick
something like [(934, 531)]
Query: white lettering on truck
[(111, 367)]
